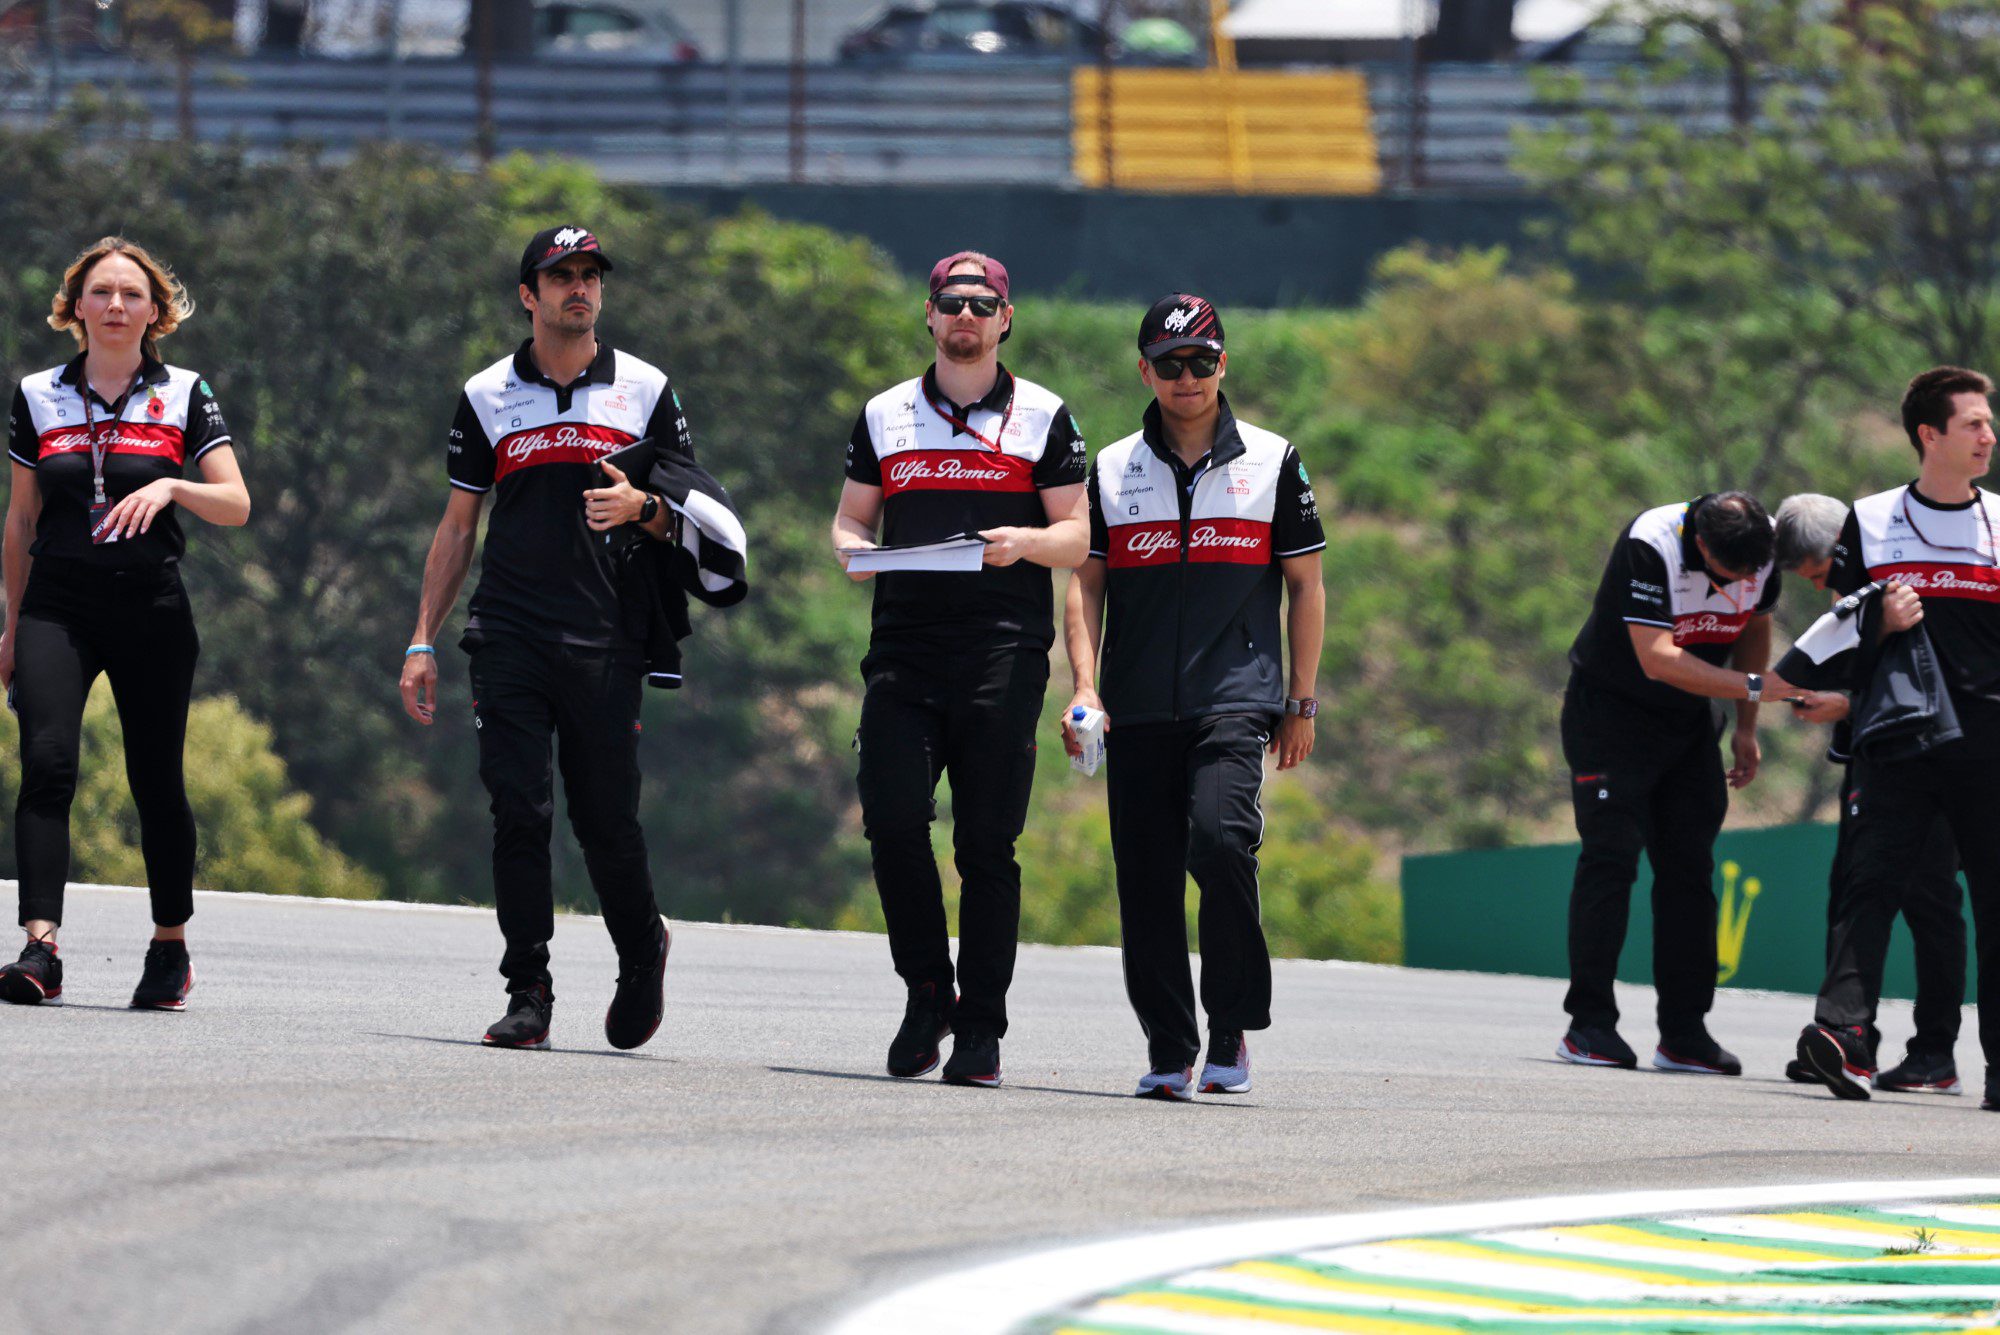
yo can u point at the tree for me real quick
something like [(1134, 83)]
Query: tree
[(255, 831)]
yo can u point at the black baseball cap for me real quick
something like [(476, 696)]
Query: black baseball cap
[(1180, 320), (552, 244)]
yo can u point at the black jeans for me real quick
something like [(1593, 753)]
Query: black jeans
[(1184, 799), (1641, 782), (137, 629), (523, 691), (1893, 807), (1857, 943), (970, 715)]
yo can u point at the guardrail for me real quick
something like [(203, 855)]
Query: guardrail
[(1443, 129), (1450, 128), (675, 124)]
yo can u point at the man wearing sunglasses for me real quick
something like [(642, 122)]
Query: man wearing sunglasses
[(1935, 542), (1199, 523), (957, 662)]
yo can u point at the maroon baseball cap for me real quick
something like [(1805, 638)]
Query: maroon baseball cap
[(995, 273)]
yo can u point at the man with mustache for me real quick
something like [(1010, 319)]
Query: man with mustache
[(550, 652), (958, 661)]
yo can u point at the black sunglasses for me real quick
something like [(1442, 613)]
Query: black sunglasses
[(1169, 368), (985, 308)]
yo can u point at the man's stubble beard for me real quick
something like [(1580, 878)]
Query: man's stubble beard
[(975, 347)]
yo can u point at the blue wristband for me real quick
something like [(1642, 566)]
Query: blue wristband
[(416, 649)]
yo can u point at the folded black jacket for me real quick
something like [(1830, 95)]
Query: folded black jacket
[(707, 558), (1902, 707)]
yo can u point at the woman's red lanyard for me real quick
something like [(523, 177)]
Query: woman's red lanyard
[(960, 424), (1992, 553)]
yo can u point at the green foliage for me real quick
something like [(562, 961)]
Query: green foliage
[(255, 832)]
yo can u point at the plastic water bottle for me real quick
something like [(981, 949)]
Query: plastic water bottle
[(1087, 726)]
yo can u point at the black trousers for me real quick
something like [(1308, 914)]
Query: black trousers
[(137, 629), (970, 715), (524, 691), (1184, 799), (1642, 783), (1893, 808), (1857, 941)]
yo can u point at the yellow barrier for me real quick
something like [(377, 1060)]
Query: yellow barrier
[(1219, 129)]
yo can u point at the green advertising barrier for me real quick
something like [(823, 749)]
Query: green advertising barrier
[(1506, 910)]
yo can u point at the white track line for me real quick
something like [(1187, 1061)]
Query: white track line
[(994, 1298)]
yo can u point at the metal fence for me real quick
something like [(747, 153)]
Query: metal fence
[(677, 124), (1451, 128), (1445, 129)]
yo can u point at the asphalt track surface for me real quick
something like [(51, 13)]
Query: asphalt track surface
[(319, 1143)]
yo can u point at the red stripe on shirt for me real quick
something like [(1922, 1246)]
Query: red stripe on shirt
[(557, 443), (1709, 627), (1229, 541), (1939, 579), (143, 439), (955, 470)]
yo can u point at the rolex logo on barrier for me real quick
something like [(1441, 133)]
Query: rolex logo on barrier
[(525, 446), (905, 471), (1732, 923)]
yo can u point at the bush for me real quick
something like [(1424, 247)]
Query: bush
[(255, 832)]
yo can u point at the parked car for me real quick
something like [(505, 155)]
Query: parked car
[(953, 30), (565, 30), (588, 29)]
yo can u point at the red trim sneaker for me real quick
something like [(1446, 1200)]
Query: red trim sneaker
[(927, 1017), (526, 1023), (1839, 1058), (35, 979), (166, 979), (1695, 1054), (1175, 1084), (1227, 1070), (640, 1002), (1587, 1046), (1921, 1073), (975, 1060)]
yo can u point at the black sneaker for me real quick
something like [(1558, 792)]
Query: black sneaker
[(1839, 1057), (1695, 1054), (526, 1023), (1586, 1046), (641, 999), (975, 1060), (35, 979), (1797, 1070), (166, 979), (1921, 1073), (1991, 1103), (926, 1020)]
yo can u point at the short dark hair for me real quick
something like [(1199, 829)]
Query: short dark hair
[(1736, 530), (1928, 400)]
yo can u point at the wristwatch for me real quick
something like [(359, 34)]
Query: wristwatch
[(1305, 708), (1753, 687), (649, 509)]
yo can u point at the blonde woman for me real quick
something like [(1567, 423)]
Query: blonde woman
[(91, 562)]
